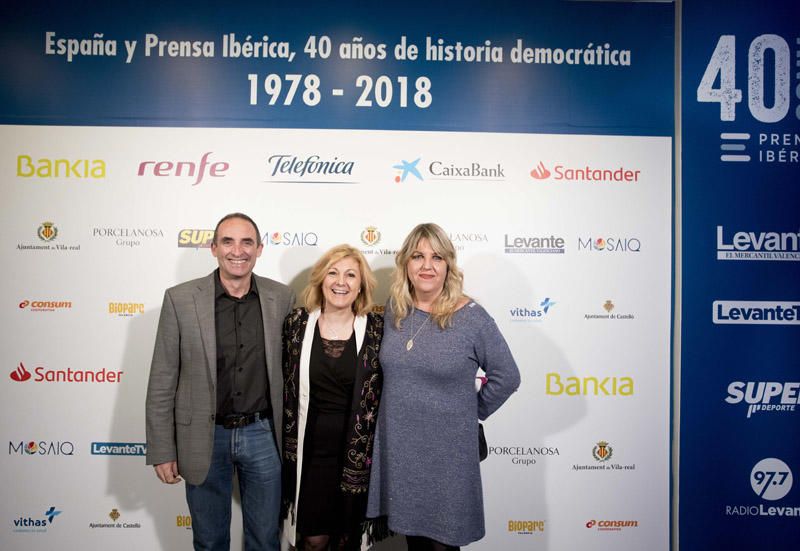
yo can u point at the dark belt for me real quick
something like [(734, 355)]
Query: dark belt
[(239, 420)]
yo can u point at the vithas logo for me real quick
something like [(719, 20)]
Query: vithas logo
[(20, 374)]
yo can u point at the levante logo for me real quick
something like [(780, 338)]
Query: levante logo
[(758, 245)]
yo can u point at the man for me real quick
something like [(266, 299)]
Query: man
[(214, 400)]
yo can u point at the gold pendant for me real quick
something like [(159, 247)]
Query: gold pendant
[(410, 344)]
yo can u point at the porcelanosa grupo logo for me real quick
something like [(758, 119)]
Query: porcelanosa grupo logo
[(69, 375), (764, 396), (36, 524), (524, 455), (758, 245), (463, 239), (534, 313), (127, 236), (585, 173), (405, 168), (771, 480), (310, 169), (753, 312)]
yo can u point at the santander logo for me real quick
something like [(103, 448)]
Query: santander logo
[(20, 374), (540, 172)]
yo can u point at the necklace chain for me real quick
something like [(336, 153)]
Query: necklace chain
[(410, 342)]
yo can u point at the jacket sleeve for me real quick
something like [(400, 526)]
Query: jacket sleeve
[(161, 388)]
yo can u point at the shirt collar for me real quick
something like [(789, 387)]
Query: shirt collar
[(219, 290)]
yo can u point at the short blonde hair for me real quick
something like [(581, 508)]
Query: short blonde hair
[(402, 292), (312, 294)]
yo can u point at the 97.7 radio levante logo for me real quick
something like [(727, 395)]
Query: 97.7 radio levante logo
[(771, 480), (769, 98)]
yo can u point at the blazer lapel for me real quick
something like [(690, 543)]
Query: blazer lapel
[(269, 314), (204, 306)]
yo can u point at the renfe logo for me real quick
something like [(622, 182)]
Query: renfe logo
[(756, 312), (185, 168)]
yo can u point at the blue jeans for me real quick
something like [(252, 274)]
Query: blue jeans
[(251, 451)]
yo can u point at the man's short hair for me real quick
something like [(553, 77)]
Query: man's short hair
[(243, 217)]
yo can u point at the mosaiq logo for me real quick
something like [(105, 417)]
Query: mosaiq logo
[(764, 396), (42, 447), (309, 169), (771, 480), (584, 173), (610, 244), (291, 239), (194, 170), (749, 245)]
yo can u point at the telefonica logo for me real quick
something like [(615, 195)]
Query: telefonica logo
[(764, 396), (189, 169), (758, 245), (749, 312), (585, 173), (312, 169)]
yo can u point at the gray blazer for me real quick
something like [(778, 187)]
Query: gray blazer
[(182, 391)]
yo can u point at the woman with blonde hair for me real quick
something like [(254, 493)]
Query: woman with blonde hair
[(332, 387), (426, 480)]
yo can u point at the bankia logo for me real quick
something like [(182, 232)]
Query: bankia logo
[(771, 480), (41, 447), (404, 169), (195, 238), (45, 305), (610, 385), (764, 396), (36, 524), (472, 170), (532, 313), (194, 170), (584, 173), (523, 454), (128, 236), (69, 375), (119, 448), (750, 245), (291, 239), (310, 169), (47, 232), (603, 452), (79, 169), (524, 244), (610, 244), (753, 312)]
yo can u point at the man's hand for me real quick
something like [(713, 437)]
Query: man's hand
[(168, 472)]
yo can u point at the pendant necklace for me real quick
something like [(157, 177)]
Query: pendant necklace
[(410, 343)]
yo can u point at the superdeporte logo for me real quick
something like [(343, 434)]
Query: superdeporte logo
[(753, 312), (195, 238), (764, 396), (584, 173), (758, 245)]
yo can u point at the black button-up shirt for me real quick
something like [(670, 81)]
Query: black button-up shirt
[(242, 383)]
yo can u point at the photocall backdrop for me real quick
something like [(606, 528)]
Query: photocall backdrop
[(539, 137)]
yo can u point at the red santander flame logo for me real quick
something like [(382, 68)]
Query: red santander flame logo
[(20, 374), (540, 172)]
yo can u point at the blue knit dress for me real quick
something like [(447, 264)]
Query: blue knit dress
[(425, 473)]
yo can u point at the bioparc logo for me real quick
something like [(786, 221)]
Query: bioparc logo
[(611, 525), (47, 232), (609, 312), (36, 524), (114, 515), (118, 448), (610, 244), (45, 305), (771, 480), (584, 173), (404, 169), (193, 170), (603, 452), (526, 527), (68, 375), (183, 521), (771, 245), (125, 309), (751, 312), (195, 238), (764, 396), (310, 169), (525, 455), (532, 313), (41, 447), (290, 239)]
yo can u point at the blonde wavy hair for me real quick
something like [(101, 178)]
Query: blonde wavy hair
[(312, 294), (402, 292)]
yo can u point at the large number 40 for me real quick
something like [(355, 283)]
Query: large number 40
[(723, 63)]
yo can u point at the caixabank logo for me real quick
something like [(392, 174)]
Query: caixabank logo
[(752, 245), (756, 312), (36, 524), (603, 455), (471, 170), (43, 374), (586, 173), (404, 169), (771, 480), (764, 397)]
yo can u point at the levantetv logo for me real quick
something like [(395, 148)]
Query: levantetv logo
[(758, 246), (119, 448), (763, 396), (40, 524), (750, 312)]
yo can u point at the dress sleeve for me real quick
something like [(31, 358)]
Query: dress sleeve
[(501, 370)]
